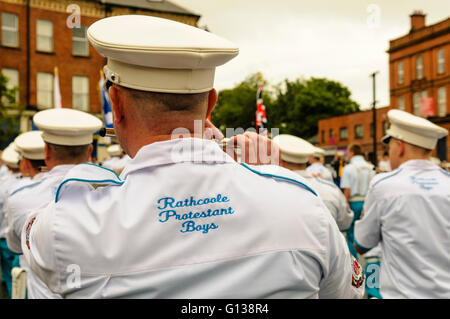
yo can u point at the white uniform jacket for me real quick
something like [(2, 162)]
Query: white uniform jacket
[(186, 221), (357, 176), (318, 170), (333, 198), (407, 211), (20, 203)]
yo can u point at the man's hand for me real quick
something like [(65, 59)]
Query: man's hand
[(255, 149)]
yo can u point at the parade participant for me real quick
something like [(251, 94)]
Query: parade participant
[(9, 259), (295, 153), (184, 220), (355, 181), (316, 168), (384, 165), (117, 160), (407, 212), (68, 135)]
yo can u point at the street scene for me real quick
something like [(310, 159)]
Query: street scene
[(194, 149)]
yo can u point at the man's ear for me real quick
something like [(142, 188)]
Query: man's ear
[(401, 148), (48, 154), (117, 104), (212, 100)]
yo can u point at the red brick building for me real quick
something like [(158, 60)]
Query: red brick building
[(36, 36), (336, 133), (419, 72)]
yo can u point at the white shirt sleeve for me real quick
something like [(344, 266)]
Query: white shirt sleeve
[(345, 215), (38, 247), (340, 278), (368, 228)]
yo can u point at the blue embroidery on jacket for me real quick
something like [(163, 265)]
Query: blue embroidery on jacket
[(190, 221), (102, 181), (424, 183)]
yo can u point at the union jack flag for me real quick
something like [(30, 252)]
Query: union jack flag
[(261, 119)]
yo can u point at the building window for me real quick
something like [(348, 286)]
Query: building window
[(358, 131), (322, 136), (442, 101), (371, 130), (385, 127), (80, 44), (44, 90), (343, 133), (10, 29), (419, 67), (400, 73), (13, 81), (416, 101), (401, 103), (44, 40), (80, 92), (441, 61)]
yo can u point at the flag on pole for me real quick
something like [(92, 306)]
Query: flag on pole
[(106, 107), (57, 102), (261, 119)]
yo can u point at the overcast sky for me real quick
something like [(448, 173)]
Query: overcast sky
[(343, 40)]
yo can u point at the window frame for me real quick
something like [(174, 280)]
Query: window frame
[(38, 35), (16, 30), (49, 92), (419, 58), (76, 94), (444, 104), (357, 136), (400, 75), (340, 133), (401, 98), (441, 61), (80, 40)]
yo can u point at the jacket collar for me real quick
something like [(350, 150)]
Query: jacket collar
[(179, 150)]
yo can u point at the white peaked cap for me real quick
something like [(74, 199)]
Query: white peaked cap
[(159, 55), (114, 150), (413, 129), (10, 156), (319, 152), (294, 149), (67, 126), (31, 145)]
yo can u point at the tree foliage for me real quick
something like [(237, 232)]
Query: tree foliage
[(295, 107), (10, 112)]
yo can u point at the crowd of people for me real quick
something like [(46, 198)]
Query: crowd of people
[(175, 214)]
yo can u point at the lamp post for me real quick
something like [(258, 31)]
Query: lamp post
[(374, 121)]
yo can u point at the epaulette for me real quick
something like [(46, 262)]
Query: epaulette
[(283, 178), (24, 187), (389, 175), (95, 175)]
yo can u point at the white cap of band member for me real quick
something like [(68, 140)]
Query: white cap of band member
[(67, 126), (413, 129), (114, 150), (159, 55), (10, 156), (319, 152), (294, 149), (31, 145)]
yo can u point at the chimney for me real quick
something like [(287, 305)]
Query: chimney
[(417, 20)]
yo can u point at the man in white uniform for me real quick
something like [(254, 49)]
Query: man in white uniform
[(295, 153), (184, 220), (316, 168), (12, 178), (67, 134), (355, 180), (407, 212)]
